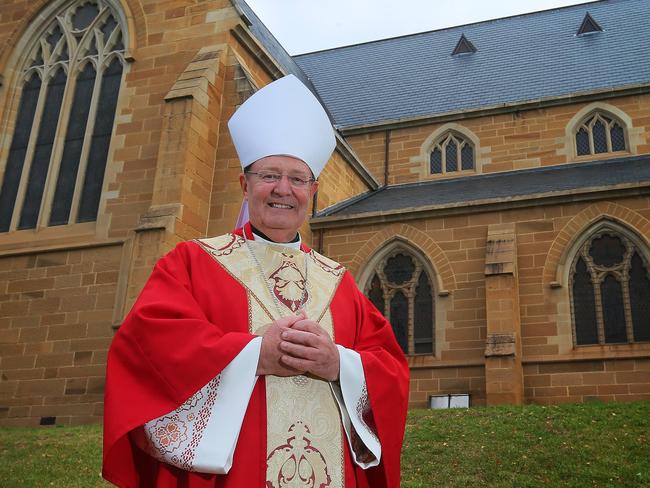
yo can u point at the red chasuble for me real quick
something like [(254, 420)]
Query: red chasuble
[(190, 321)]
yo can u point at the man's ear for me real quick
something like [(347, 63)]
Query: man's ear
[(243, 182), (314, 188)]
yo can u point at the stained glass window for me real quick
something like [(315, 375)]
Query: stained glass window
[(584, 305), (401, 290), (376, 294), (467, 157), (607, 250), (436, 161), (100, 142), (423, 310), (55, 169), (639, 299), (73, 146), (582, 142), (399, 318), (18, 150), (451, 156), (399, 268), (599, 133), (43, 151), (611, 294), (452, 153), (610, 291), (618, 137)]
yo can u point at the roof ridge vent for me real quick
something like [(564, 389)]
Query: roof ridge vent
[(464, 46), (589, 25)]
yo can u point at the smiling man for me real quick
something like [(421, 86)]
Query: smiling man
[(249, 360), (278, 189)]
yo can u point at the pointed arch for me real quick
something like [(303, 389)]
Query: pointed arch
[(62, 155), (561, 259), (130, 12), (440, 265), (609, 286), (466, 147), (601, 128), (399, 280), (564, 246), (389, 247)]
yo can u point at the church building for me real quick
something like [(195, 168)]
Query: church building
[(489, 191)]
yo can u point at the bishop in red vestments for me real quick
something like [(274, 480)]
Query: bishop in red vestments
[(250, 360)]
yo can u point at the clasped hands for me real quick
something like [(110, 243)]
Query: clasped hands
[(296, 345)]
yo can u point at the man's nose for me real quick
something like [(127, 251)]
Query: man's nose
[(283, 186)]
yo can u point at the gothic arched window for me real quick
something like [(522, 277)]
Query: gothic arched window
[(401, 290), (610, 291), (451, 153), (599, 133), (69, 89)]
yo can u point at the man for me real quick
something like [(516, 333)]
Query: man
[(250, 360)]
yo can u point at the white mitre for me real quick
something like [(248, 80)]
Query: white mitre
[(283, 118)]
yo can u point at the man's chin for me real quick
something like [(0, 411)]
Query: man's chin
[(282, 224)]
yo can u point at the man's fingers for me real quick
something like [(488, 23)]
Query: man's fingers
[(308, 326), (300, 337), (296, 364), (298, 351), (288, 321)]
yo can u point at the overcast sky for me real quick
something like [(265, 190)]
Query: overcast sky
[(311, 25)]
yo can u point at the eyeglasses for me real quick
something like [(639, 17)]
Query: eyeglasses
[(295, 181)]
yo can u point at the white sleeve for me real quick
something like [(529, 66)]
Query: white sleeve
[(202, 433), (352, 398)]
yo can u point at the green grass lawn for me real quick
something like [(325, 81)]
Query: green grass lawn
[(590, 445)]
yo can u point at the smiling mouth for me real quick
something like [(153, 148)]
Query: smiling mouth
[(283, 206)]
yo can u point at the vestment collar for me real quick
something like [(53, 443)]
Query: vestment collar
[(250, 235)]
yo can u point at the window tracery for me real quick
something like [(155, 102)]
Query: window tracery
[(451, 153), (610, 291), (401, 290), (600, 133), (69, 89)]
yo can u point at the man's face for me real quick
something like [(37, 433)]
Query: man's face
[(278, 209)]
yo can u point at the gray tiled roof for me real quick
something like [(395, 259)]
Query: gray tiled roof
[(518, 59), (634, 170)]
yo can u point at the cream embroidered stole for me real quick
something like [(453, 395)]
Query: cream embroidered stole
[(304, 434)]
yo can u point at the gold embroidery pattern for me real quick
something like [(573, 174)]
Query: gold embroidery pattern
[(289, 285), (291, 401), (235, 243), (327, 265), (297, 463), (300, 380)]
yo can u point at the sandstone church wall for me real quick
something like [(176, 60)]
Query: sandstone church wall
[(554, 370), (172, 175), (518, 140)]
